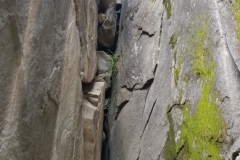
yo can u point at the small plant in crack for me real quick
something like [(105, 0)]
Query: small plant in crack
[(114, 62)]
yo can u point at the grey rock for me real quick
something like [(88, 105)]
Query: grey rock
[(107, 31), (105, 63), (93, 105), (86, 20), (127, 128), (151, 60), (42, 58)]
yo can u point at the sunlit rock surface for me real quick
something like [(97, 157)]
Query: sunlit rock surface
[(176, 94), (93, 104), (46, 52), (180, 62)]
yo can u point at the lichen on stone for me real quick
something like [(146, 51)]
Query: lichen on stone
[(132, 13), (187, 78), (177, 61), (178, 67), (167, 4), (236, 12), (170, 146), (173, 40)]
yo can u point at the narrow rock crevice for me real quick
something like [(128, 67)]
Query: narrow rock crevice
[(120, 107), (149, 116), (148, 84), (108, 29), (144, 32)]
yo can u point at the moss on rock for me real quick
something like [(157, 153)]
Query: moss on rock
[(167, 4), (236, 12), (202, 130)]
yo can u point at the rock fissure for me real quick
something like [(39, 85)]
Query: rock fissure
[(144, 32), (118, 79), (149, 116)]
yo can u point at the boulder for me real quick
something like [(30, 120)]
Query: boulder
[(87, 20), (107, 31), (106, 4), (101, 18), (105, 63), (93, 105)]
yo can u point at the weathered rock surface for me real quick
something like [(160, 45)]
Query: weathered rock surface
[(93, 105), (43, 54), (180, 61), (86, 20), (176, 95)]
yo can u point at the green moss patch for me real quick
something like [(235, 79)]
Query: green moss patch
[(236, 12), (203, 130), (202, 56), (167, 4)]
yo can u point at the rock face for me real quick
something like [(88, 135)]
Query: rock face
[(179, 65), (176, 94), (86, 20), (47, 49), (93, 104)]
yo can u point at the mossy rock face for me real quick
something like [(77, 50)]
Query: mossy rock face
[(203, 130), (203, 127)]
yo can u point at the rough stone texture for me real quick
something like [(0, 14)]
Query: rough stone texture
[(93, 104), (87, 21), (177, 60), (107, 31), (41, 61), (105, 63)]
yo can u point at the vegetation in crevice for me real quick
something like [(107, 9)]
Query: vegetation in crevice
[(114, 62)]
